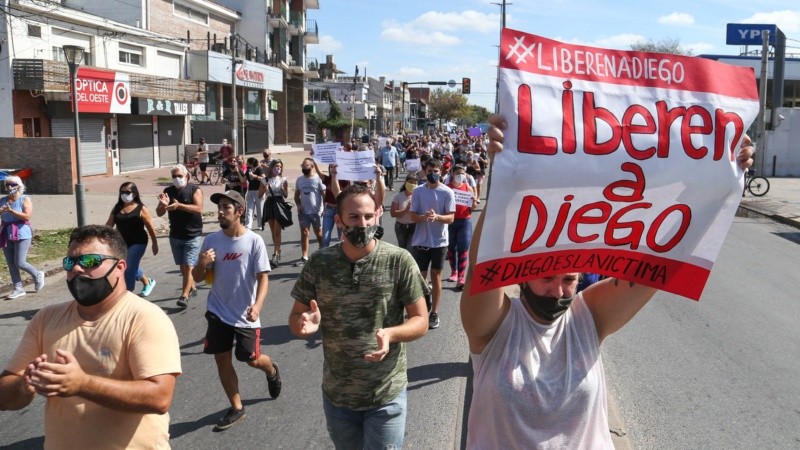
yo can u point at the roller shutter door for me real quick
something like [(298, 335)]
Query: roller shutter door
[(93, 142), (170, 140), (135, 143)]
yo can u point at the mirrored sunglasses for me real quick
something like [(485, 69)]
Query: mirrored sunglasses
[(87, 261)]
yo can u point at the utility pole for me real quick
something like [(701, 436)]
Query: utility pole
[(497, 80), (234, 105), (761, 138)]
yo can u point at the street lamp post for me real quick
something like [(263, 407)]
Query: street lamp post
[(74, 55)]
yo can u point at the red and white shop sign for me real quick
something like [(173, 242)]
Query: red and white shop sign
[(615, 162), (100, 91)]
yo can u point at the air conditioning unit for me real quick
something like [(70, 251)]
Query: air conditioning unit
[(219, 47)]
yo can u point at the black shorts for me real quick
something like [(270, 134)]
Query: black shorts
[(220, 337), (425, 256), (203, 167)]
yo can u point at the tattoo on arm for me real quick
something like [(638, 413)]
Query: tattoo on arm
[(616, 282)]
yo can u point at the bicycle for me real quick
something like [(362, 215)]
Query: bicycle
[(213, 170), (757, 185)]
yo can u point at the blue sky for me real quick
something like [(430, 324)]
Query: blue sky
[(414, 40)]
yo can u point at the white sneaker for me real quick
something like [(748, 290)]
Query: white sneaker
[(39, 284), (16, 294)]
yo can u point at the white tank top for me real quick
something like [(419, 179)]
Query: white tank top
[(540, 386)]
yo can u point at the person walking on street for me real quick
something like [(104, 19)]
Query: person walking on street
[(255, 205), (203, 159), (356, 293), (16, 235), (401, 211), (226, 155), (276, 186), (308, 196), (106, 362), (134, 222), (183, 202), (234, 261), (433, 207), (389, 159), (328, 223), (460, 231)]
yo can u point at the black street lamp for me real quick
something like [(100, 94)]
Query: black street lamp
[(74, 55)]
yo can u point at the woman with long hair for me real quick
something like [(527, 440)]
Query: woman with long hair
[(134, 222), (274, 186), (401, 206), (16, 235)]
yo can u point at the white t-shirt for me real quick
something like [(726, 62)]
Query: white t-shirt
[(237, 263), (276, 184), (540, 386)]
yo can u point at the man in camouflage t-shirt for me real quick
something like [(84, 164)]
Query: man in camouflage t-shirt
[(356, 293)]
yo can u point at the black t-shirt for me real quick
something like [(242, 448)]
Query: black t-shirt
[(182, 224), (252, 183)]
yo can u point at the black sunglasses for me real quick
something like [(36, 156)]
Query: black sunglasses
[(87, 261)]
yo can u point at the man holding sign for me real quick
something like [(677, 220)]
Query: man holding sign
[(613, 127)]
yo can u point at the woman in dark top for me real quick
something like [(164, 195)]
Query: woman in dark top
[(134, 222)]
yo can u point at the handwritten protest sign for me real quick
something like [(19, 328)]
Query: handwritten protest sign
[(463, 198), (355, 166), (615, 162), (413, 165), (326, 153)]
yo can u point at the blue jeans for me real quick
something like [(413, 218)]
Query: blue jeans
[(133, 272), (328, 225), (383, 427), (16, 253)]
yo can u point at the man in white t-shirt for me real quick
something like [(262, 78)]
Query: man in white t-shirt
[(106, 362), (234, 261)]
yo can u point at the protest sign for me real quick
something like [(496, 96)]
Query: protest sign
[(355, 166), (382, 142), (413, 165), (615, 162), (326, 153), (463, 198), (474, 131)]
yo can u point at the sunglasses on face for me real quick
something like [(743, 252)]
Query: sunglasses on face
[(87, 261), (11, 185)]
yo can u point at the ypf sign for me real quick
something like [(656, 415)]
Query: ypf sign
[(100, 91), (749, 33)]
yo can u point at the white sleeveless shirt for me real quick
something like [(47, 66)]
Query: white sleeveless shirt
[(540, 386)]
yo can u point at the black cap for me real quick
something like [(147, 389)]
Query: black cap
[(233, 196)]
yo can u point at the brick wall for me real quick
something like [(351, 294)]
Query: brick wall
[(162, 20), (295, 115), (281, 117), (27, 106), (52, 161)]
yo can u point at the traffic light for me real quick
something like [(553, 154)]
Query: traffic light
[(465, 87)]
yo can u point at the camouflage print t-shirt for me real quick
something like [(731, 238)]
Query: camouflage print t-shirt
[(355, 299)]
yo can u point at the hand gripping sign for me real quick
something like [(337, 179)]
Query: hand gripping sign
[(615, 162)]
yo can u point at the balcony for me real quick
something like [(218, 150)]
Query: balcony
[(312, 68), (311, 35), (296, 65), (297, 23), (278, 18)]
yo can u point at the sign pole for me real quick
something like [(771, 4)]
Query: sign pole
[(761, 138)]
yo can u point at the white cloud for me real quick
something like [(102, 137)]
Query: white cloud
[(788, 21), (698, 48), (327, 45), (408, 73), (676, 18), (620, 41), (437, 29)]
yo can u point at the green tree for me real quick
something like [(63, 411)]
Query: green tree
[(335, 121), (663, 46), (475, 114), (447, 105)]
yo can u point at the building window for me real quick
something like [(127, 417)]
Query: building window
[(31, 127), (34, 31), (58, 55), (129, 54), (252, 107), (187, 12)]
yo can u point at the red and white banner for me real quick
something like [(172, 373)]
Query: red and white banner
[(615, 162), (101, 91)]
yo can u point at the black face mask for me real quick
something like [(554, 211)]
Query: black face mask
[(306, 171), (91, 291), (549, 308)]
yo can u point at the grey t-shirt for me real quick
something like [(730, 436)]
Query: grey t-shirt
[(236, 266), (442, 201), (312, 192)]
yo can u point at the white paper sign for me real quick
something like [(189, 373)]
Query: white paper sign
[(615, 162), (355, 166), (463, 198), (413, 165), (382, 142), (326, 153)]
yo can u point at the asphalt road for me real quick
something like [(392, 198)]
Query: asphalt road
[(438, 369), (720, 373)]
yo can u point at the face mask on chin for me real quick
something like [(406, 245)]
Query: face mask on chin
[(548, 308), (91, 291)]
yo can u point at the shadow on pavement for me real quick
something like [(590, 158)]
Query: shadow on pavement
[(276, 335), (37, 442), (422, 376), (27, 315)]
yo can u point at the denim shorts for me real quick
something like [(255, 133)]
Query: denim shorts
[(307, 220), (185, 251)]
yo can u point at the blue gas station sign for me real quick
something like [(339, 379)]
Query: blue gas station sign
[(749, 33)]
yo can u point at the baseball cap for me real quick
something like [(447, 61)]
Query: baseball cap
[(230, 195)]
